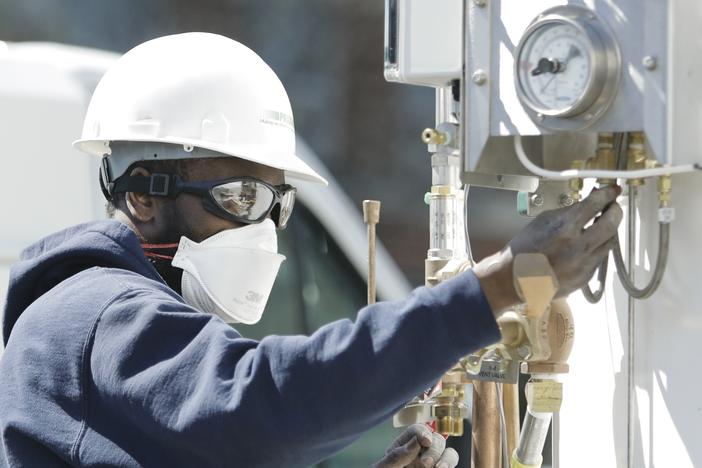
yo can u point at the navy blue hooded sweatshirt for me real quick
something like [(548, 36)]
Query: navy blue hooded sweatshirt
[(107, 366)]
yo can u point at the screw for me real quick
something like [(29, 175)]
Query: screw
[(540, 117), (649, 62), (480, 3), (537, 200), (479, 77)]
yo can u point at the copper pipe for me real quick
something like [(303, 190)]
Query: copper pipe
[(510, 397), (486, 449)]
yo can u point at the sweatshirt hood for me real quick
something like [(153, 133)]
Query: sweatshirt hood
[(55, 258)]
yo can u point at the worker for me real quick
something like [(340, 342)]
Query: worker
[(119, 348)]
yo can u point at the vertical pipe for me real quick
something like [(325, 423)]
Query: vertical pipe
[(442, 113), (510, 396), (446, 201), (486, 450), (533, 437), (371, 216), (555, 440), (631, 406)]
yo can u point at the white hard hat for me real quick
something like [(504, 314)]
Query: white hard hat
[(198, 91)]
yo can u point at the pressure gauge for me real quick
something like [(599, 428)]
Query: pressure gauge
[(567, 68)]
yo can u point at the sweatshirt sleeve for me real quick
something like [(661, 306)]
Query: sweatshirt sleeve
[(187, 384)]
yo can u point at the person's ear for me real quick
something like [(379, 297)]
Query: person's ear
[(141, 206)]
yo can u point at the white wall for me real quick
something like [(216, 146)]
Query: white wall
[(668, 422)]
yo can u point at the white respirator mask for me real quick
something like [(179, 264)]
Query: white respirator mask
[(231, 274)]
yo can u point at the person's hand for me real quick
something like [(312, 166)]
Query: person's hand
[(418, 447), (573, 252)]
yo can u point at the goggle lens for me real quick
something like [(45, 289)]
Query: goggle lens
[(286, 207), (252, 200)]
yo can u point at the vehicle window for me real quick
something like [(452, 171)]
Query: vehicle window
[(316, 285)]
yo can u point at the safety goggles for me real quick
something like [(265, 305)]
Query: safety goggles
[(241, 199)]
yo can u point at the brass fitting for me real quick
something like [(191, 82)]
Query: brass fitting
[(604, 158), (665, 189), (449, 413), (576, 185), (442, 190), (431, 136), (448, 407), (636, 156)]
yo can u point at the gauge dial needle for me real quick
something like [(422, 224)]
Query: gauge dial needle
[(543, 88), (552, 65), (555, 66), (572, 53), (546, 65)]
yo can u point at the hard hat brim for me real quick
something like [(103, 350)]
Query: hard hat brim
[(291, 164)]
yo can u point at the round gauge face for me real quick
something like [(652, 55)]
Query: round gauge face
[(554, 68)]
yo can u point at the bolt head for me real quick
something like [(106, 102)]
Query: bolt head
[(540, 117), (566, 200), (650, 62), (480, 3), (537, 200), (480, 77)]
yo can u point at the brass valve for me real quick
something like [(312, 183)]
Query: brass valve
[(445, 134), (545, 325), (540, 335), (431, 136), (559, 333)]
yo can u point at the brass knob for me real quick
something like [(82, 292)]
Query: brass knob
[(432, 136)]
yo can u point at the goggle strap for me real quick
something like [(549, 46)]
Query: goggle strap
[(160, 185)]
